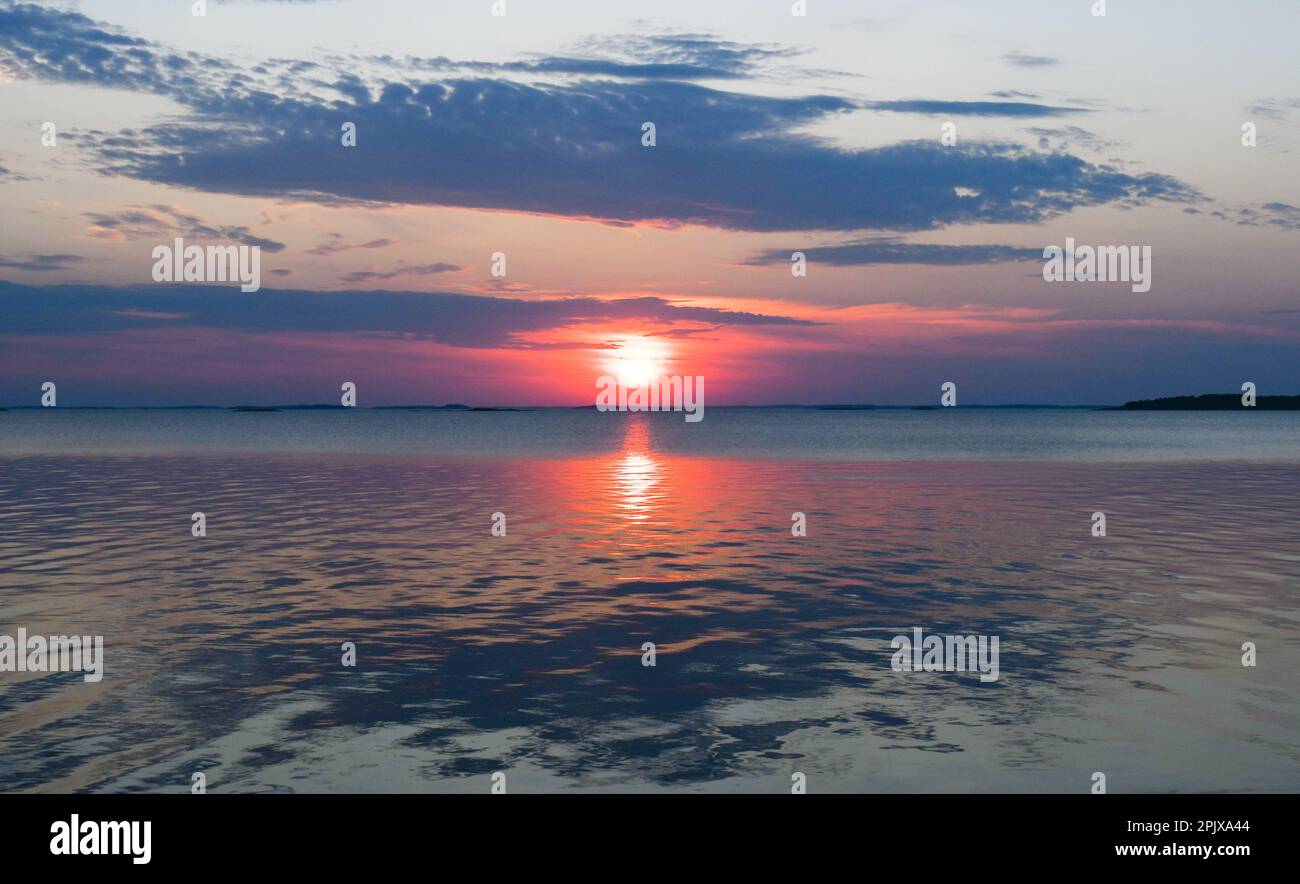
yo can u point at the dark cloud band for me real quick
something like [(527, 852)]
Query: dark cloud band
[(450, 318), (723, 159)]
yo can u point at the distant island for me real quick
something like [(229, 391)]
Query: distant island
[(326, 407), (1213, 402)]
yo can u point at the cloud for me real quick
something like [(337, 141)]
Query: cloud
[(1280, 215), (891, 251), (7, 174), (1274, 108), (696, 51), (159, 222), (726, 160), (67, 46), (1063, 138), (417, 270), (41, 263), (629, 56), (147, 314), (683, 333), (975, 108), (447, 317), (1021, 60), (334, 244)]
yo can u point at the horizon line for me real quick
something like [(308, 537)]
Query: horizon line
[(457, 406)]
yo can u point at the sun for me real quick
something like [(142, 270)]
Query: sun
[(638, 359)]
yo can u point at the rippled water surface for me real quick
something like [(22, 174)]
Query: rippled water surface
[(523, 653)]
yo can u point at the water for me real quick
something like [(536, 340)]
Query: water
[(752, 433), (523, 653)]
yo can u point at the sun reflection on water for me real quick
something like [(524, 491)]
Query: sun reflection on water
[(636, 475)]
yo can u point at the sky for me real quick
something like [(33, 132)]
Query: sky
[(522, 135)]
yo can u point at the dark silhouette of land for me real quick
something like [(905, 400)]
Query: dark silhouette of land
[(1213, 402)]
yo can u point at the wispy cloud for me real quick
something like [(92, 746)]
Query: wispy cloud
[(41, 263), (627, 56), (1024, 60), (891, 251), (158, 222), (414, 270), (1280, 215), (1067, 137), (1274, 108), (974, 108), (7, 174), (334, 244)]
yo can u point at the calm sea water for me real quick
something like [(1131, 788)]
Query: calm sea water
[(752, 433), (523, 653)]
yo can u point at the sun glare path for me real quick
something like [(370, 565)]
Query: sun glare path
[(636, 474)]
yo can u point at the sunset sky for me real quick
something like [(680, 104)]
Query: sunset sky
[(522, 134)]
